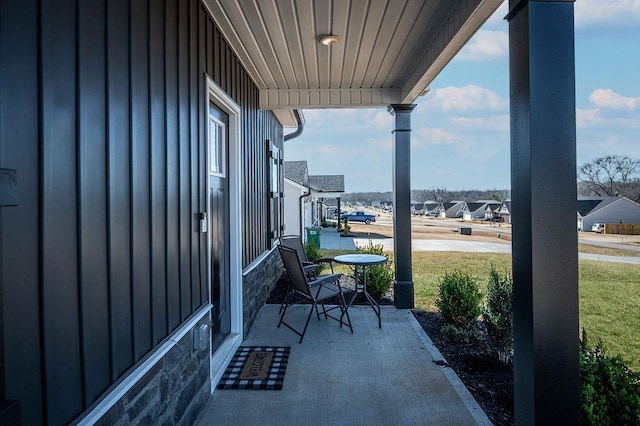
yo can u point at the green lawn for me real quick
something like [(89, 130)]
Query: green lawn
[(609, 294)]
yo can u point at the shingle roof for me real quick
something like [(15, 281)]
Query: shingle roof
[(431, 206), (327, 183), (476, 206), (588, 205), (297, 171)]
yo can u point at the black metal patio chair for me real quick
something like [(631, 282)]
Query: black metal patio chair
[(310, 267), (315, 291)]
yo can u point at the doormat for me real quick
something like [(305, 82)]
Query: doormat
[(256, 367)]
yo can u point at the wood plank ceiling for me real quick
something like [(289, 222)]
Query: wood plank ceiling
[(389, 52)]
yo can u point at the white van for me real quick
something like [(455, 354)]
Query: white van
[(597, 227)]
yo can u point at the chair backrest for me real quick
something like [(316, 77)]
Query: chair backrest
[(295, 242), (293, 266)]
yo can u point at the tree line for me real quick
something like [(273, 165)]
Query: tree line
[(438, 195), (608, 176)]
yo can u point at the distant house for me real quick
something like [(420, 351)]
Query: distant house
[(453, 209), (431, 208), (417, 208), (325, 188), (606, 210), (480, 209), (296, 188), (305, 195), (504, 211)]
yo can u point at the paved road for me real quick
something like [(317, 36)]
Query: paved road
[(332, 240)]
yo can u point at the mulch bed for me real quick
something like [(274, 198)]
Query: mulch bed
[(490, 382)]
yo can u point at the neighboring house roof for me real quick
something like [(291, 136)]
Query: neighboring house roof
[(472, 207), (327, 183), (587, 205), (447, 206), (431, 206), (297, 171)]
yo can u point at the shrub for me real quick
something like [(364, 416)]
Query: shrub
[(313, 254), (346, 228), (459, 299), (498, 315), (379, 277), (609, 390), (461, 335)]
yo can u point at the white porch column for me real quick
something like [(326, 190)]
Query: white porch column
[(543, 186), (403, 286)]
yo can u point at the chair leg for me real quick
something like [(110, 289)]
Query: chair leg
[(324, 311), (306, 324), (344, 310), (285, 297)]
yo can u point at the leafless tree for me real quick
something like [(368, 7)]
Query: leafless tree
[(613, 175)]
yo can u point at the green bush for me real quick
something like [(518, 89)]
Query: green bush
[(379, 277), (459, 299), (313, 254), (609, 390), (498, 315), (461, 335)]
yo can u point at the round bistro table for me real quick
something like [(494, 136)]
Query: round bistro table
[(360, 262)]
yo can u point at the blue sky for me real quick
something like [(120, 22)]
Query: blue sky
[(460, 136)]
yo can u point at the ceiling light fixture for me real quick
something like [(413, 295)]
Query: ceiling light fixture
[(329, 39)]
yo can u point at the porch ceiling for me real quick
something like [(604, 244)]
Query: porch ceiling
[(389, 52)]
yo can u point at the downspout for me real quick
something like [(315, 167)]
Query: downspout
[(288, 137), (300, 211), (298, 131)]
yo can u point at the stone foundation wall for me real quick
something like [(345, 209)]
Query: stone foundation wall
[(173, 392), (257, 285)]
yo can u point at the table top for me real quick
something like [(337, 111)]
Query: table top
[(360, 259)]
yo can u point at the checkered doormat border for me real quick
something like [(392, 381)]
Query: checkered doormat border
[(275, 378)]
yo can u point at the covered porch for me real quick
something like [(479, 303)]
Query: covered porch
[(373, 376)]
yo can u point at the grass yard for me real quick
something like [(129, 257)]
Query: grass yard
[(609, 294)]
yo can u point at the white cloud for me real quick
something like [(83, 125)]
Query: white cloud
[(607, 98), (486, 45), (587, 117), (614, 12), (498, 123), (433, 136), (466, 98), (590, 118)]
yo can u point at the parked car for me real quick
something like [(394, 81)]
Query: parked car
[(358, 217), (597, 227)]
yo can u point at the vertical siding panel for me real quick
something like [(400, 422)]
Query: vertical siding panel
[(202, 192), (173, 164), (185, 158), (216, 49), (210, 49), (140, 193), (119, 186), (194, 74), (158, 165), (93, 205), (60, 304), (222, 57), (20, 236)]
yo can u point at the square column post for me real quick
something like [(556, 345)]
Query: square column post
[(543, 186), (403, 285)]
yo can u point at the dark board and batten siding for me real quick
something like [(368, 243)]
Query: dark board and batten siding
[(102, 117)]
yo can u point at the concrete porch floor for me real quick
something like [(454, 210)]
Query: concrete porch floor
[(371, 377)]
